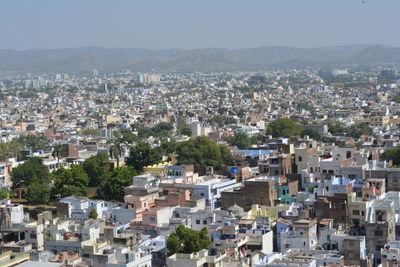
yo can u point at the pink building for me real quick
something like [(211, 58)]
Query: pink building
[(151, 219), (373, 187), (140, 204)]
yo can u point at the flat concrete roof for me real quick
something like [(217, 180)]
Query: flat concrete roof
[(39, 264)]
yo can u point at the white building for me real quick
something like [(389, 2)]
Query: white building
[(302, 234), (199, 130), (146, 180), (5, 180), (198, 259), (123, 216), (80, 207), (121, 257), (211, 190), (16, 211), (248, 130), (391, 254)]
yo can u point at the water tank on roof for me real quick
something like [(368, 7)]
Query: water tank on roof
[(234, 170)]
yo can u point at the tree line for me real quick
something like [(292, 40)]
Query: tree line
[(96, 171)]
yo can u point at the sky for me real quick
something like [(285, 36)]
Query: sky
[(164, 24)]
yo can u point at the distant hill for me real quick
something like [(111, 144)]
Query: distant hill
[(209, 59)]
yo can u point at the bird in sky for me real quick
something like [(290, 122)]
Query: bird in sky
[(363, 2)]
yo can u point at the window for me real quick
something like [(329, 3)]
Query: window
[(204, 222), (152, 219), (197, 221), (356, 212), (300, 158), (202, 194), (287, 245), (379, 233)]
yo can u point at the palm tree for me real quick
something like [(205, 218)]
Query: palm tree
[(116, 150), (58, 151)]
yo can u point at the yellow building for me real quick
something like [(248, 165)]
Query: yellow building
[(266, 211), (379, 121), (158, 168), (112, 119)]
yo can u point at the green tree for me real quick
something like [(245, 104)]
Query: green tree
[(393, 154), (57, 152), (90, 132), (126, 136), (226, 155), (38, 194), (396, 98), (258, 106), (93, 214), (257, 139), (221, 120), (183, 128), (186, 240), (285, 106), (359, 129), (9, 149), (68, 182), (143, 155), (142, 132), (169, 147), (113, 187), (241, 140), (202, 152), (174, 244), (34, 142), (218, 119), (116, 150), (311, 133), (241, 113), (163, 129), (230, 120), (304, 105), (31, 171), (3, 194), (335, 127), (284, 127), (96, 168)]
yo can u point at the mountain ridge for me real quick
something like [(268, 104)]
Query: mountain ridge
[(79, 59)]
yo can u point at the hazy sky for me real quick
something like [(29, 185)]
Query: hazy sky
[(26, 24)]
